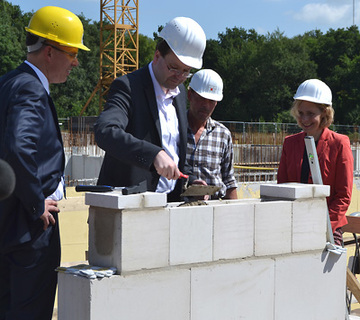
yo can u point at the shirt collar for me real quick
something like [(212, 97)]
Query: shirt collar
[(210, 124), (159, 92), (41, 76)]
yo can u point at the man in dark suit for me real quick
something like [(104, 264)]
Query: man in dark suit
[(143, 125), (30, 141)]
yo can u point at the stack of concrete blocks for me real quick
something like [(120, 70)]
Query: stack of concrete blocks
[(237, 259)]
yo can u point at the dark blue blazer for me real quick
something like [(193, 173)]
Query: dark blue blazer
[(129, 131), (30, 141)]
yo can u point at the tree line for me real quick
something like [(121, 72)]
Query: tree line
[(260, 72)]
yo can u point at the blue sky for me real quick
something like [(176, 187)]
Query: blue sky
[(293, 17)]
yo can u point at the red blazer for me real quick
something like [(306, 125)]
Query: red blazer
[(336, 165)]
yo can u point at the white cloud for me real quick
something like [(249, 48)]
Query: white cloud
[(323, 13)]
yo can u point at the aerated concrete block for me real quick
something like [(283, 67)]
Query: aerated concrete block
[(129, 239), (139, 296), (145, 239), (293, 190), (233, 231), (273, 228), (233, 290), (105, 237), (310, 286), (191, 234), (74, 297), (309, 224), (116, 200)]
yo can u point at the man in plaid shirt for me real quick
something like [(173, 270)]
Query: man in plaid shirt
[(209, 144)]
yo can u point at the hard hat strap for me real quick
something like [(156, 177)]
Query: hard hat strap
[(37, 45)]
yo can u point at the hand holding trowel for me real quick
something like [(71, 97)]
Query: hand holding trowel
[(198, 188)]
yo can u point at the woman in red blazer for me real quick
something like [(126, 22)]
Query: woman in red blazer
[(313, 112)]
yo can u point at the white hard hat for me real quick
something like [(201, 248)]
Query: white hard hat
[(186, 39), (314, 90), (208, 84)]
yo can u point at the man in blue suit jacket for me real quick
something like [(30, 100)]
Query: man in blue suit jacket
[(30, 141), (143, 125)]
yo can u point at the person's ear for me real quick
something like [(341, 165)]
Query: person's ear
[(157, 56), (47, 52)]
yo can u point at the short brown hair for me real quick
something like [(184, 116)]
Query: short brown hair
[(163, 47)]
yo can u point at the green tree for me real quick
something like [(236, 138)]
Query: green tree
[(12, 36), (336, 54), (71, 96), (233, 56), (283, 63), (146, 50), (260, 73)]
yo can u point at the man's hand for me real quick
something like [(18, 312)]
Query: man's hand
[(165, 166), (47, 217), (203, 183)]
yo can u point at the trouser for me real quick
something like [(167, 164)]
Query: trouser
[(28, 278)]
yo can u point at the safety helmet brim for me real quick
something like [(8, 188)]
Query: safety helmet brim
[(56, 39), (311, 99), (209, 96)]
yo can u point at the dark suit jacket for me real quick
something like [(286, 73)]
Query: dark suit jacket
[(129, 131), (336, 164), (30, 141)]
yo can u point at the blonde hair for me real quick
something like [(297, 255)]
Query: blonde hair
[(327, 113)]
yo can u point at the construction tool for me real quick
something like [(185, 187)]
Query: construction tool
[(139, 188), (316, 177), (197, 190)]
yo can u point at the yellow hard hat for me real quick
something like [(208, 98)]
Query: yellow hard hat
[(59, 25)]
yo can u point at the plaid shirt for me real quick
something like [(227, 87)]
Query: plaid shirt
[(212, 157)]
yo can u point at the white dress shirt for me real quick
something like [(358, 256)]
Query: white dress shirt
[(169, 128)]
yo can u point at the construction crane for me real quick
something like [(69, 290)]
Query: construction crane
[(119, 44)]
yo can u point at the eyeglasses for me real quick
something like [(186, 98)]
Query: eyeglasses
[(185, 74), (70, 54)]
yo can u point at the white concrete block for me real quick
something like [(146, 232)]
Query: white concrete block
[(150, 295), (286, 191), (129, 239), (294, 190), (191, 233), (74, 297), (108, 200), (321, 191), (116, 200), (309, 224), (233, 231), (154, 199), (237, 290), (273, 228), (105, 237), (310, 286), (145, 239)]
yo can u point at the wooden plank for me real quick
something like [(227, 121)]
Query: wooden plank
[(353, 284), (353, 225)]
